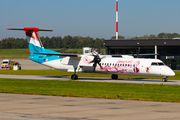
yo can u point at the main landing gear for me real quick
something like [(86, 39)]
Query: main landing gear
[(164, 79), (114, 76), (74, 76)]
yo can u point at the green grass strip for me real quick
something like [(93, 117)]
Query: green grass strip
[(165, 93), (51, 72)]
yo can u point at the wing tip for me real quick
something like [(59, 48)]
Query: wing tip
[(9, 28)]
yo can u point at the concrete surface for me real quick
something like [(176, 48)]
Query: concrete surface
[(36, 107)]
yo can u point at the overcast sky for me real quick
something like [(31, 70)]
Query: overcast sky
[(93, 18)]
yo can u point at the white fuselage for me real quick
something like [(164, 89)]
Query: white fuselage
[(113, 65)]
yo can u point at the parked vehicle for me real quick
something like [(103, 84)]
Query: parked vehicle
[(5, 63), (10, 65), (13, 64)]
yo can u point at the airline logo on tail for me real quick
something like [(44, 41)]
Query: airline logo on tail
[(33, 39), (32, 36)]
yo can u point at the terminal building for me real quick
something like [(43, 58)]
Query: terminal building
[(168, 49)]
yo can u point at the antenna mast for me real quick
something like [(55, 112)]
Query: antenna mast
[(116, 19)]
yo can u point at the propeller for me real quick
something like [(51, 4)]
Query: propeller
[(137, 53), (95, 52), (96, 61)]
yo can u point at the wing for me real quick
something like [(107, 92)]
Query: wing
[(58, 54)]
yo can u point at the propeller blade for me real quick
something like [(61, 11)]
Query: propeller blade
[(94, 66), (100, 65), (132, 53), (91, 61), (138, 52)]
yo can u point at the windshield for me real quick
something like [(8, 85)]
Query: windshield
[(157, 64)]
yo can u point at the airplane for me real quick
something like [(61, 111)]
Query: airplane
[(92, 60)]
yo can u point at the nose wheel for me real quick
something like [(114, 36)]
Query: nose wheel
[(164, 79)]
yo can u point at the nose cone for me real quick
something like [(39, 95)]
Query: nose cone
[(171, 73), (168, 72)]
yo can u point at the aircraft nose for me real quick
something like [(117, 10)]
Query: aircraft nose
[(171, 73)]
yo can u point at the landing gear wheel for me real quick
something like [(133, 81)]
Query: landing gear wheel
[(164, 79), (114, 76), (74, 77)]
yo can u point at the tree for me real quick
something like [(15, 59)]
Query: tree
[(152, 36), (161, 35), (99, 43), (144, 37), (67, 41)]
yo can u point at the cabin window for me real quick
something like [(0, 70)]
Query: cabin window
[(107, 63), (110, 64)]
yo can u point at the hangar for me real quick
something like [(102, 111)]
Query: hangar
[(169, 49)]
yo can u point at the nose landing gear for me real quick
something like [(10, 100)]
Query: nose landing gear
[(164, 79)]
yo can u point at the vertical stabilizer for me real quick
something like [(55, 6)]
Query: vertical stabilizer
[(34, 42)]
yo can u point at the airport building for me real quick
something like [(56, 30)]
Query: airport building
[(168, 49)]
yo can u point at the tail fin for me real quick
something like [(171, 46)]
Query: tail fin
[(34, 42)]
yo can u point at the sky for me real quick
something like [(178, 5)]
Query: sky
[(93, 18)]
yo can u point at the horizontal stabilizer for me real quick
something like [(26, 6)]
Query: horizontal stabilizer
[(29, 29)]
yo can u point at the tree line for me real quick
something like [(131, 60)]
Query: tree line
[(68, 42), (76, 42), (159, 36)]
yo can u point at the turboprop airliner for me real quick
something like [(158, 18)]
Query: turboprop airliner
[(93, 60)]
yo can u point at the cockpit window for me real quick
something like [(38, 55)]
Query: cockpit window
[(160, 64), (157, 64)]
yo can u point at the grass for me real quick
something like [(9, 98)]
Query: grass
[(164, 93), (13, 53)]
